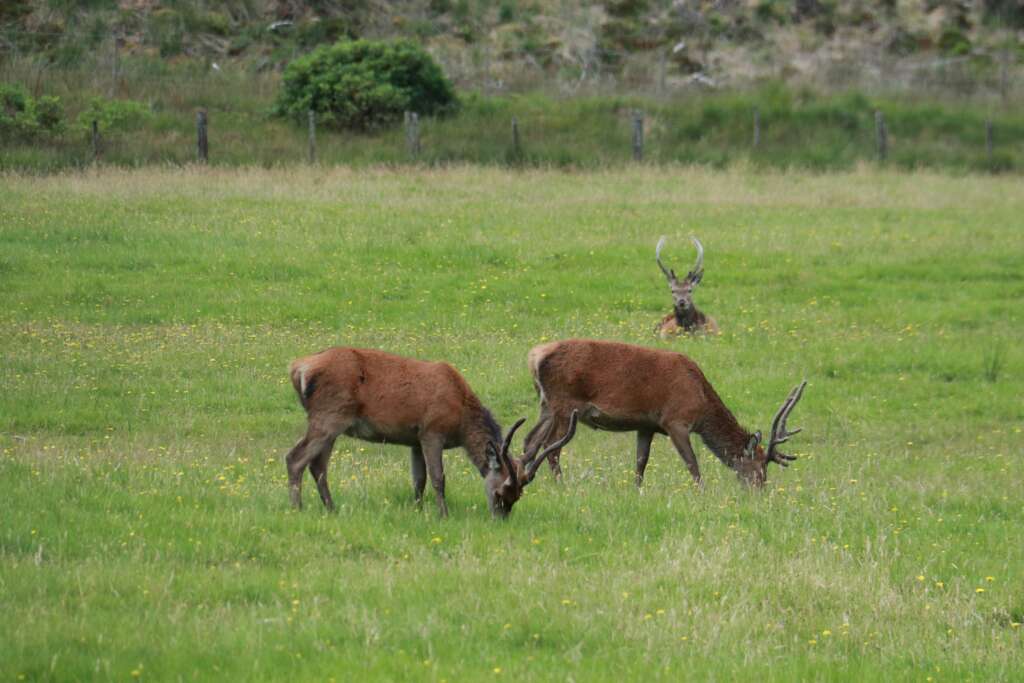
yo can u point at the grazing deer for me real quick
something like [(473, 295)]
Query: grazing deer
[(684, 318), (384, 398), (625, 388)]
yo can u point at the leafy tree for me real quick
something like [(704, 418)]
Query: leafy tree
[(365, 84)]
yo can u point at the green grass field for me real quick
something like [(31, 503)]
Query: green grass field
[(148, 317)]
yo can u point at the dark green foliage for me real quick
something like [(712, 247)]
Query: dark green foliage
[(167, 32), (772, 11), (954, 41), (506, 11), (313, 33), (14, 10), (23, 117), (50, 113), (362, 84), (1009, 13), (113, 115), (626, 8)]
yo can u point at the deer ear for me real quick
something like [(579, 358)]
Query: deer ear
[(752, 444), (492, 458)]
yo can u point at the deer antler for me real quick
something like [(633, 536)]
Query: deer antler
[(531, 468), (779, 433), (698, 268), (670, 275), (503, 455)]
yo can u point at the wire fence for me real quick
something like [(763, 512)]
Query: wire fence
[(646, 126)]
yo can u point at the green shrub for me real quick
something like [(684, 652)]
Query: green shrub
[(22, 116), (16, 115), (50, 114), (364, 84), (113, 115)]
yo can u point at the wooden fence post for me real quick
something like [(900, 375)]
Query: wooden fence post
[(115, 68), (312, 136), (95, 141), (757, 127), (662, 71), (989, 140), (202, 144), (516, 150), (881, 136), (638, 135), (412, 133)]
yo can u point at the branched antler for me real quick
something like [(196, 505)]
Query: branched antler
[(531, 468), (779, 434), (695, 274), (670, 275), (503, 454), (698, 268)]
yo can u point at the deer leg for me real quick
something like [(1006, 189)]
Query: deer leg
[(291, 463), (318, 470), (558, 426), (419, 474), (296, 461), (643, 452), (432, 451), (309, 448), (681, 440)]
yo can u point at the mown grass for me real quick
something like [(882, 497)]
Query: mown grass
[(800, 128), (148, 318)]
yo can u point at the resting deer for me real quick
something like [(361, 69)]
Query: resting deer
[(684, 318), (625, 388), (384, 398)]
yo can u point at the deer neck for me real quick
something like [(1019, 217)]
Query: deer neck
[(480, 428), (688, 318), (720, 431)]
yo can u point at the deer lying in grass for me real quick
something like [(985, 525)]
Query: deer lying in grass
[(625, 388), (684, 318), (384, 398)]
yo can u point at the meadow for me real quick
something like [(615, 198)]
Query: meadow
[(148, 317)]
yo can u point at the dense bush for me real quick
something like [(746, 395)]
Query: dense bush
[(23, 116), (113, 115), (365, 84)]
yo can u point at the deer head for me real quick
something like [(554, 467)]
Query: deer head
[(752, 466), (507, 477), (682, 290)]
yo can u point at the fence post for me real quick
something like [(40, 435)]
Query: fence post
[(757, 127), (662, 71), (412, 133), (516, 151), (988, 140), (115, 68), (95, 141), (202, 144), (312, 136), (638, 135), (881, 136)]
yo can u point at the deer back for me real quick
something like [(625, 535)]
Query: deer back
[(620, 379), (399, 396)]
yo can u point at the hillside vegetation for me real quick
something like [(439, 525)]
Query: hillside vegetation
[(944, 76), (502, 44)]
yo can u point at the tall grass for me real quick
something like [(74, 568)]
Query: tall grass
[(800, 129), (148, 318)]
